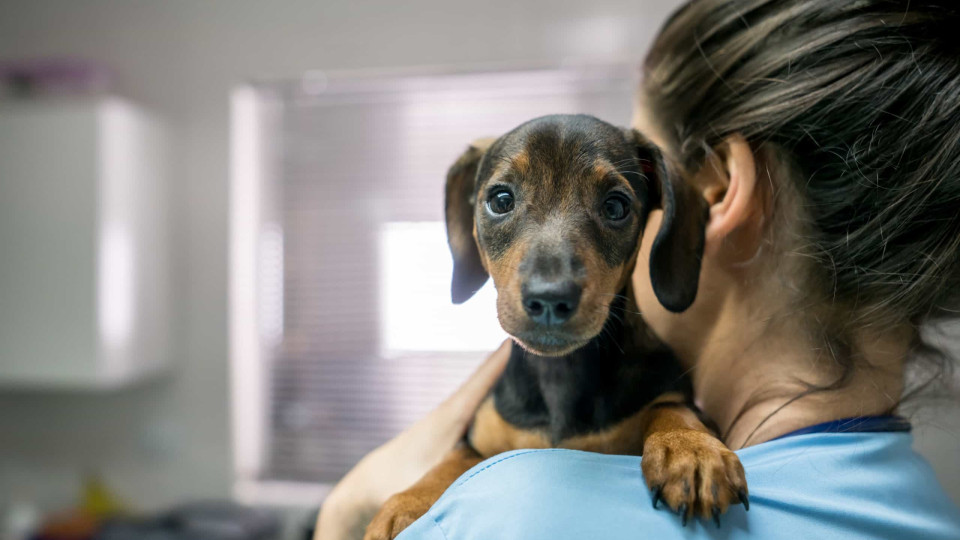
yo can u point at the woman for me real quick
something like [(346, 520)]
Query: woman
[(823, 135)]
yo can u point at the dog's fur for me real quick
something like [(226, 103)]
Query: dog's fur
[(593, 377)]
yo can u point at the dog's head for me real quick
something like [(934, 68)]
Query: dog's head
[(554, 211)]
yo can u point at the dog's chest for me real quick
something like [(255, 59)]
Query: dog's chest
[(573, 395), (576, 401)]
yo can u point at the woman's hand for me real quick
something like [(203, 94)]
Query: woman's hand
[(400, 462)]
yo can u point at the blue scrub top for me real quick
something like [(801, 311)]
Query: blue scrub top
[(817, 486)]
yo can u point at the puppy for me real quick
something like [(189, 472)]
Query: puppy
[(553, 211)]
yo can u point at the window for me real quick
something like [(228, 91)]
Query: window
[(416, 314), (342, 330)]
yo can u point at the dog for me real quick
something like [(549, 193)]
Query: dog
[(553, 211)]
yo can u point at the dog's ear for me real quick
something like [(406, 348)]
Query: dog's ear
[(468, 271), (678, 247)]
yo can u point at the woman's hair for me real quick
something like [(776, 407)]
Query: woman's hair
[(861, 100)]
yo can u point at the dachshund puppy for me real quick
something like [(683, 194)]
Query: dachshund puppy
[(553, 211)]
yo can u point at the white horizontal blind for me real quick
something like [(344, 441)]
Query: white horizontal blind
[(360, 338)]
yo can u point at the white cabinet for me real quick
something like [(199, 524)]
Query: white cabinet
[(83, 296)]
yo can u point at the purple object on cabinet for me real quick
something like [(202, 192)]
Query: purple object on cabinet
[(53, 76)]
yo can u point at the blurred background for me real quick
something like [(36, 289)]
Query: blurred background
[(214, 220)]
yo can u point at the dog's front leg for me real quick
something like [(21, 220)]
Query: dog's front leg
[(402, 509), (686, 465)]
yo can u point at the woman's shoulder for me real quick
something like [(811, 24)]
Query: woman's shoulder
[(855, 485)]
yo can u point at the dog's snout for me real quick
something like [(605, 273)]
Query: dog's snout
[(550, 303)]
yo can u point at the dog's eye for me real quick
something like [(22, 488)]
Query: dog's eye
[(615, 208), (500, 201)]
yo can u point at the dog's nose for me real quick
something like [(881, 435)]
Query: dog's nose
[(551, 303)]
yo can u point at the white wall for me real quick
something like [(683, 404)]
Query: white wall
[(170, 439)]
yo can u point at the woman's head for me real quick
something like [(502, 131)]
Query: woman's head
[(851, 113)]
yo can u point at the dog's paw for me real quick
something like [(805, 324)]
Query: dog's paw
[(693, 473), (398, 513)]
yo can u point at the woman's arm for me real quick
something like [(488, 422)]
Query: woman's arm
[(400, 462)]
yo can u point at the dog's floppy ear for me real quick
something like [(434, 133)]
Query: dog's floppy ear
[(678, 247), (468, 271)]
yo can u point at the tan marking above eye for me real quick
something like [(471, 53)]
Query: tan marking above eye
[(604, 172), (521, 162), (501, 170), (603, 168)]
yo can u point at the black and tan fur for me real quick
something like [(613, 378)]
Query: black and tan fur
[(596, 379)]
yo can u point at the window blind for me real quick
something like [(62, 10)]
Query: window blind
[(358, 333)]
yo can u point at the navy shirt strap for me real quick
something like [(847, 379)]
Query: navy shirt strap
[(858, 424)]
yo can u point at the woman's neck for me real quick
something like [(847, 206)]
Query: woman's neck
[(754, 376)]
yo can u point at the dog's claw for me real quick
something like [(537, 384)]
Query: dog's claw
[(693, 475), (657, 495), (742, 495)]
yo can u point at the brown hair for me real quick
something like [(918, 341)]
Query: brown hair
[(861, 100)]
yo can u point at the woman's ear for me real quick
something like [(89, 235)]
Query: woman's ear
[(699, 214), (468, 271), (730, 188)]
